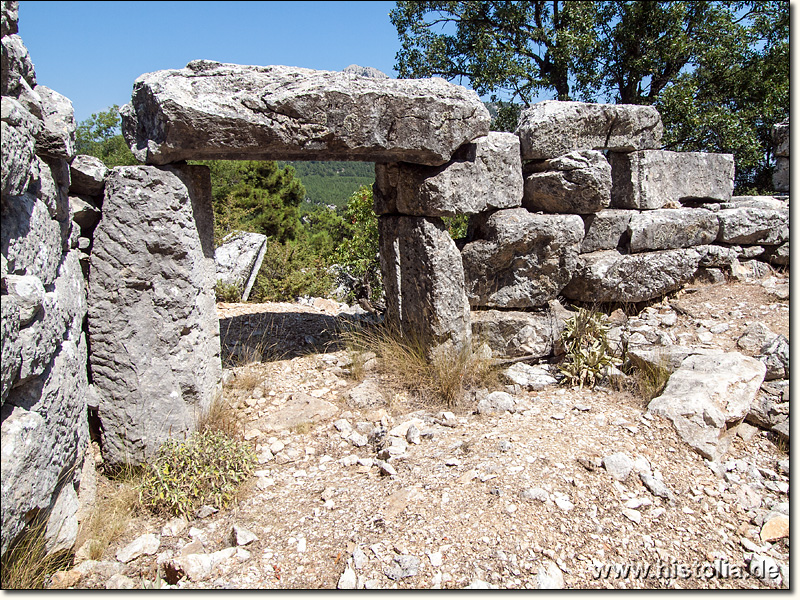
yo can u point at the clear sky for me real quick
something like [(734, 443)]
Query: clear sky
[(91, 52)]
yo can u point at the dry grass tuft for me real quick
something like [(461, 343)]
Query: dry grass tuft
[(439, 377), (222, 416), (26, 565)]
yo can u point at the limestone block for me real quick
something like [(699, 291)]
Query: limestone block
[(9, 334), (552, 128), (718, 256), (608, 276), (17, 158), (57, 137), (779, 255), (424, 280), (15, 65), (9, 17), (705, 394), (513, 333), (780, 137), (765, 202), (606, 229), (87, 175), (30, 239), (484, 174), (225, 111), (576, 183), (668, 228), (85, 214), (519, 259), (45, 434), (749, 225), (239, 258), (650, 179), (781, 174), (13, 112), (62, 522), (152, 317)]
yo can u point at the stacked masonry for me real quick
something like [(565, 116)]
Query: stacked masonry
[(44, 348)]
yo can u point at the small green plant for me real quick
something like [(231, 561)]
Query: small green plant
[(206, 468), (227, 292), (588, 354)]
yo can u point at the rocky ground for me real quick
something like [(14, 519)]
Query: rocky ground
[(362, 486)]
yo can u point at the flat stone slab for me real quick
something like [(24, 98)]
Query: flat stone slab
[(650, 179), (484, 174), (609, 276), (211, 110), (239, 258), (750, 225), (552, 128)]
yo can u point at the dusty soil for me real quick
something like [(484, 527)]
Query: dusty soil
[(455, 503)]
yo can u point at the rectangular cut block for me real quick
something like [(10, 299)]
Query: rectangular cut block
[(424, 281), (780, 137), (152, 318), (514, 333), (518, 259), (606, 230), (669, 228), (650, 179), (484, 174), (577, 183), (552, 128), (211, 110), (751, 225), (608, 276)]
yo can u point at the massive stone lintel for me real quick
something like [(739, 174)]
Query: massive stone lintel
[(152, 320), (608, 276), (650, 179), (211, 110), (486, 173), (424, 281), (520, 259), (552, 128)]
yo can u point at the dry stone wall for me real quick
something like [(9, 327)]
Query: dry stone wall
[(44, 347)]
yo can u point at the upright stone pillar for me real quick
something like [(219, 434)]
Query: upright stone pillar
[(780, 177), (155, 350)]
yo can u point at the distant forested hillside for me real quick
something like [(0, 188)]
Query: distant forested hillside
[(329, 182)]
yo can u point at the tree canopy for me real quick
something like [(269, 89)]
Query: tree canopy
[(717, 71), (100, 135)]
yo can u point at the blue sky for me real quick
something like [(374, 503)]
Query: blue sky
[(91, 52)]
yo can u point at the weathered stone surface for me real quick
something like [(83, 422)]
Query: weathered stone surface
[(365, 71), (300, 408), (705, 394), (57, 137), (9, 17), (484, 174), (366, 394), (62, 522), (239, 258), (424, 280), (665, 229), (16, 68), (512, 333), (520, 259), (17, 159), (779, 255), (152, 318), (782, 174), (225, 111), (146, 544), (87, 175), (497, 402), (27, 292), (718, 256), (748, 225), (606, 230), (608, 276), (30, 240), (552, 128), (765, 202), (85, 214), (780, 137), (529, 377), (669, 357), (650, 179), (576, 183), (44, 434), (9, 334), (775, 355)]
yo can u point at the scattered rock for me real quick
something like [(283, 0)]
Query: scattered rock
[(146, 544)]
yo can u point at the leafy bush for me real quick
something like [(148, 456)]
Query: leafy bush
[(358, 252), (289, 271), (227, 292), (206, 468), (588, 354)]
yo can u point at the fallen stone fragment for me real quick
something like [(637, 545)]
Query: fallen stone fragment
[(121, 582), (241, 537), (775, 529), (535, 493), (200, 566), (530, 377), (402, 567), (549, 577), (146, 544), (211, 110), (497, 402), (619, 465), (347, 580), (633, 515), (656, 486)]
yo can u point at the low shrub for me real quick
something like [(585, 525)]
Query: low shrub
[(588, 354), (227, 292), (206, 468)]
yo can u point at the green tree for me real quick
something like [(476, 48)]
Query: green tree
[(100, 135), (358, 252), (718, 71)]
